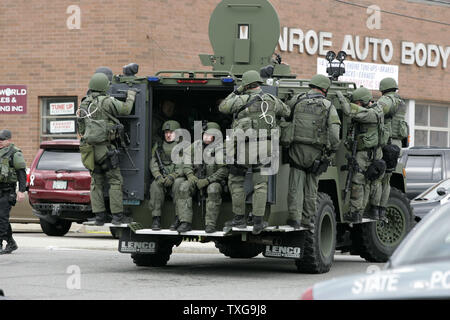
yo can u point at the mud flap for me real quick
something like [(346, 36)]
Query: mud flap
[(289, 246), (136, 243)]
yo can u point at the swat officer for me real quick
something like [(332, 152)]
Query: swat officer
[(106, 71), (251, 109), (366, 184), (202, 178), (394, 109), (167, 175), (315, 136), (98, 129), (12, 171)]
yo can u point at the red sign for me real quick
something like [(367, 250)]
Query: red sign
[(13, 99)]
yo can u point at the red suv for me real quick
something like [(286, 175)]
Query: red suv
[(59, 186)]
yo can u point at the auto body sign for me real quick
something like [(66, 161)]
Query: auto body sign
[(13, 99)]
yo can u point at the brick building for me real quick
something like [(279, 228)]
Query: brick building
[(53, 47)]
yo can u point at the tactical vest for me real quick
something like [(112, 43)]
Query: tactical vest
[(8, 172), (398, 125), (258, 113), (98, 128), (310, 119), (372, 135), (165, 152)]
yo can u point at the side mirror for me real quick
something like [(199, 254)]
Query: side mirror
[(441, 191)]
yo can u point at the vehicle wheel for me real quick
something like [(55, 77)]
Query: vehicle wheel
[(319, 247), (115, 232), (234, 248), (58, 229), (376, 241), (158, 259)]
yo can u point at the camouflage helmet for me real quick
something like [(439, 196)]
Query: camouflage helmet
[(362, 94), (320, 81), (99, 82), (388, 83), (212, 125), (171, 125), (251, 76)]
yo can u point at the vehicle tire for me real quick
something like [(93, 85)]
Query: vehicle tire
[(158, 259), (58, 229), (234, 248), (376, 241), (115, 232), (319, 247)]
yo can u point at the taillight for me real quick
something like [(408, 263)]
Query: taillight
[(193, 81), (308, 294)]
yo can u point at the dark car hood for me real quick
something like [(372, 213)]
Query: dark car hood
[(421, 281)]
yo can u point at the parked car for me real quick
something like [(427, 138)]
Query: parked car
[(424, 166), (431, 198), (418, 269), (22, 211), (59, 187)]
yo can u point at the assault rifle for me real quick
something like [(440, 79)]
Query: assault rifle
[(202, 195), (351, 162), (162, 169)]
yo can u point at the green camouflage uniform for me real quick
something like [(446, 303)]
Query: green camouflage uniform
[(250, 117), (394, 111), (368, 120), (216, 175), (160, 186), (102, 174), (303, 185)]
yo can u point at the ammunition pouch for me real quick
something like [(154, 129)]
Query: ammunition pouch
[(391, 152), (112, 159), (12, 198), (320, 166), (238, 170), (375, 170)]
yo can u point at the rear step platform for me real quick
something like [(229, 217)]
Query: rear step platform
[(217, 233)]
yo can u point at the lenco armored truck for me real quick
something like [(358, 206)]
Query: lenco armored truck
[(244, 35)]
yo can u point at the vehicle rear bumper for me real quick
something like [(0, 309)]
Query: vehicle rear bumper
[(69, 211)]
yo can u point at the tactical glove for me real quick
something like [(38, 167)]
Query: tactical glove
[(160, 180), (201, 183), (192, 179), (169, 181), (239, 90), (131, 94)]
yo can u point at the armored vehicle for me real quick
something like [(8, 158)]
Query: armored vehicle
[(243, 36)]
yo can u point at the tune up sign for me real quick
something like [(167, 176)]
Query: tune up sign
[(13, 99)]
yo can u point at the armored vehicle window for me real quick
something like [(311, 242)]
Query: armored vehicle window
[(61, 160), (424, 168)]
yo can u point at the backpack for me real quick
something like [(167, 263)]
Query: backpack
[(7, 170)]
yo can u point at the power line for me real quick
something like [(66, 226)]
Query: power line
[(395, 13)]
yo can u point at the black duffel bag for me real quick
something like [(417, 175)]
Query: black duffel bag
[(391, 152)]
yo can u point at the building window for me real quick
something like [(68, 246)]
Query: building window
[(431, 125), (58, 119)]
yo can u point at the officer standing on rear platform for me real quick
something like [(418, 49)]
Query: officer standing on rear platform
[(12, 170)]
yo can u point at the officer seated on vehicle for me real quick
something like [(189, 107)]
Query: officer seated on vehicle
[(167, 175), (204, 180)]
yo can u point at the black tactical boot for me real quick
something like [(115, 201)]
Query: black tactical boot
[(372, 214), (259, 224), (156, 225), (11, 245), (174, 226), (120, 218), (238, 222), (382, 213), (353, 217), (100, 218), (294, 223), (250, 219), (308, 226), (210, 229), (184, 227)]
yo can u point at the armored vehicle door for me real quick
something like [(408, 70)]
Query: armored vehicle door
[(133, 156)]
